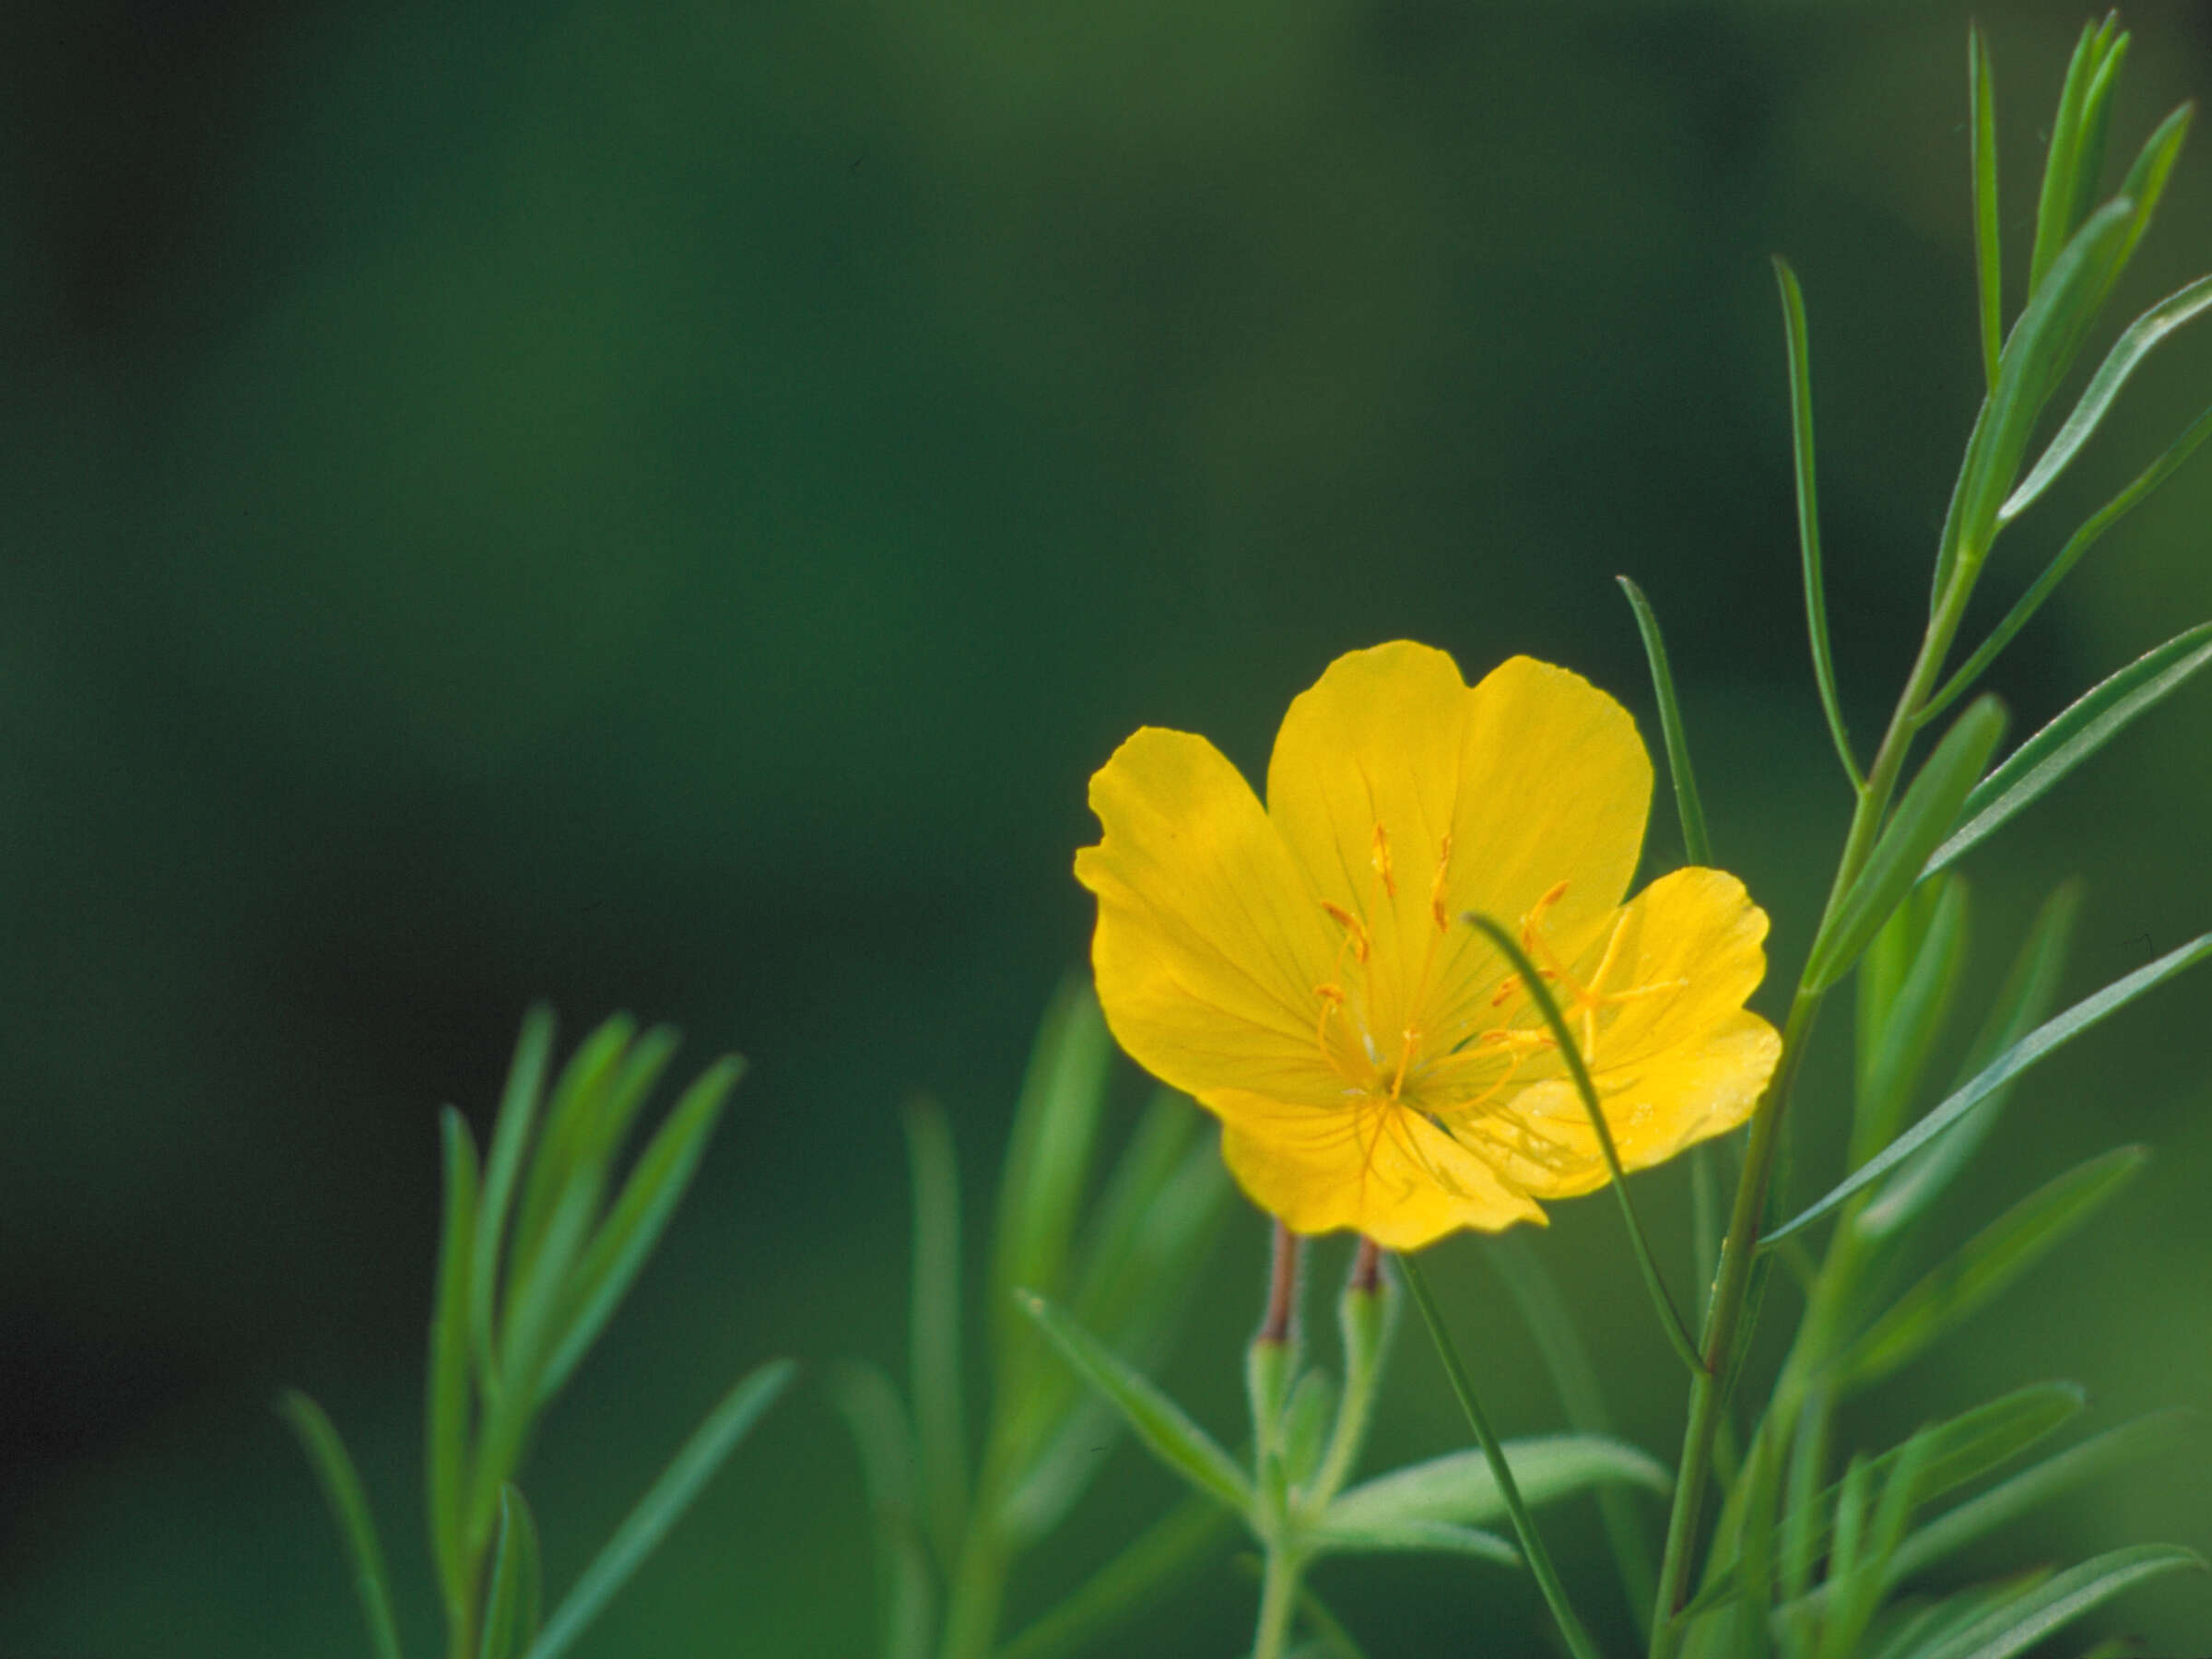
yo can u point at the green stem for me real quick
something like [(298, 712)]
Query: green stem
[(1278, 1604), (1524, 1526), (979, 1582), (1708, 1386)]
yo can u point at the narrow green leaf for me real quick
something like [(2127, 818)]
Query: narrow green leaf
[(2024, 1001), (1459, 1486), (1335, 1536), (1985, 1264), (2005, 1067), (1581, 1398), (2054, 214), (1697, 847), (1809, 513), (934, 1328), (1915, 1015), (2143, 335), (1851, 1497), (1946, 1454), (661, 1507), (1139, 1309), (446, 1418), (1154, 1149), (2042, 348), (640, 1213), (512, 1604), (1162, 1556), (2034, 1487), (1171, 1437), (2018, 1625), (1803, 1514), (341, 1485), (1048, 1153), (600, 1139), (2146, 180), (1539, 993), (1306, 1425), (1856, 1594), (1982, 107), (2096, 120), (555, 1207), (2085, 726), (2082, 540), (889, 1461), (1922, 1628), (1929, 808), (510, 1140)]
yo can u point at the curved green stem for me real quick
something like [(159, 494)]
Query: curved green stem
[(1677, 1334), (1524, 1526), (1278, 1605)]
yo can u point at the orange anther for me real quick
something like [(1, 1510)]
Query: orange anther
[(1436, 887), (1379, 858), (1355, 930)]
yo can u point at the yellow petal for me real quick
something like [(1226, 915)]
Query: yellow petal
[(1210, 941), (1375, 1169), (1676, 1061), (1535, 777)]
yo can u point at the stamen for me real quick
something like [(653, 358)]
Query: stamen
[(1410, 1042), (1332, 999), (1355, 930), (1379, 858), (1436, 887)]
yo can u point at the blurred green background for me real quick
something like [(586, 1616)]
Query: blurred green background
[(662, 506)]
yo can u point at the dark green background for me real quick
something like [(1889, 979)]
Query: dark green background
[(661, 506)]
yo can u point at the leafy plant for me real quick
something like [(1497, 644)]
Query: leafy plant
[(534, 1258)]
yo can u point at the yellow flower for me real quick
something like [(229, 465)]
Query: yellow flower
[(1303, 972)]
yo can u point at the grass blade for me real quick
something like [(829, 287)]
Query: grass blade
[(2143, 336), (510, 1140), (1413, 1538), (658, 1511), (864, 1398), (1982, 123), (2020, 1625), (512, 1604), (1913, 1015), (1808, 512), (2054, 216), (446, 1415), (341, 1484), (2032, 1487), (1047, 1155), (2000, 1071), (1165, 1553), (1697, 848), (555, 1207), (1945, 1456), (1539, 993), (2085, 726), (1171, 1436), (934, 1327), (640, 1213), (2082, 540), (1460, 1486), (1574, 1378), (1985, 1264), (2023, 1002), (1929, 808)]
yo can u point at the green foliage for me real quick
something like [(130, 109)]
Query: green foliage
[(521, 1292)]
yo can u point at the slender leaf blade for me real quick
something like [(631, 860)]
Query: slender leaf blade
[(2141, 338), (511, 1603), (1696, 846), (1929, 808), (889, 1473), (504, 1162), (1915, 1015), (2020, 1625), (1985, 1264), (640, 1213), (661, 1507), (1171, 1436), (446, 1415), (2022, 1003), (341, 1484), (2089, 724), (1413, 1538), (2055, 207), (1459, 1487), (1982, 107), (2014, 1060)]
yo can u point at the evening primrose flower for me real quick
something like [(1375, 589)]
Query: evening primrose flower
[(1303, 971)]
